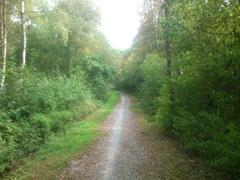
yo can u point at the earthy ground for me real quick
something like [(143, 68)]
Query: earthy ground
[(131, 149)]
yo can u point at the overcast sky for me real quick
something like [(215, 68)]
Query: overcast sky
[(120, 21)]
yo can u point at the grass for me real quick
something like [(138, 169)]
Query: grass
[(60, 149)]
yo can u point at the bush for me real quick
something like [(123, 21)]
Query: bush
[(58, 120), (152, 82), (7, 155), (7, 144), (199, 105), (38, 107)]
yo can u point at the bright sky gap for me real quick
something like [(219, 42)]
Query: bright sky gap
[(120, 21)]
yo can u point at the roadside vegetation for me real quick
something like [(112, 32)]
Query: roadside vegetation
[(59, 149), (56, 69), (184, 67)]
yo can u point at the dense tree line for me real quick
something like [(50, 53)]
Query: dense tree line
[(55, 66), (184, 66)]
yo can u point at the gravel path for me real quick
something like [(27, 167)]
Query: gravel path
[(131, 149)]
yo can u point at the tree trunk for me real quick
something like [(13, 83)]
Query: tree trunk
[(168, 48), (168, 45), (24, 34), (3, 44)]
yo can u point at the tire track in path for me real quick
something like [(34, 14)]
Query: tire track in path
[(128, 152)]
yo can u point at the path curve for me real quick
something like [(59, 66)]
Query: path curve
[(128, 152)]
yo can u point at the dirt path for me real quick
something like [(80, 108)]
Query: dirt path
[(128, 151)]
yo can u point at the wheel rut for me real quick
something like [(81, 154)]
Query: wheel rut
[(128, 151)]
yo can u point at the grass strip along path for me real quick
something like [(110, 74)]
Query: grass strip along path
[(59, 149)]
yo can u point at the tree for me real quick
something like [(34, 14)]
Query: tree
[(24, 33), (196, 95), (69, 69), (167, 35), (3, 40)]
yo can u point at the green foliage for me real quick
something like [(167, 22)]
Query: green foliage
[(38, 107), (151, 71), (98, 74), (129, 77), (199, 101), (67, 75), (59, 120), (60, 149), (7, 144), (38, 94)]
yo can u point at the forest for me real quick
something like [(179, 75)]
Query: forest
[(184, 67), (57, 68)]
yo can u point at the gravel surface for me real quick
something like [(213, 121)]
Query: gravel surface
[(131, 149)]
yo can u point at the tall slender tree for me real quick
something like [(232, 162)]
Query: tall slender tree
[(24, 33), (3, 57), (168, 45)]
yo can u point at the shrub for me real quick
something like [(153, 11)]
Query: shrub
[(38, 107), (58, 120)]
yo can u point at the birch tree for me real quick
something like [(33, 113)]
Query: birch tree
[(3, 57), (24, 32)]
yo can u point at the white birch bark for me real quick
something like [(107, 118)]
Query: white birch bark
[(3, 44), (24, 34)]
